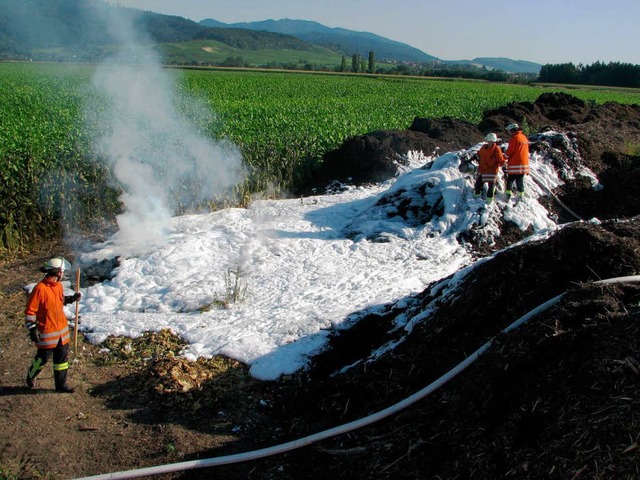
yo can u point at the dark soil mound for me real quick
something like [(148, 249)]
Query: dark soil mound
[(604, 132), (549, 110), (377, 156), (450, 133)]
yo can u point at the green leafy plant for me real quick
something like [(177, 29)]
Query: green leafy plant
[(526, 128), (632, 148), (7, 475)]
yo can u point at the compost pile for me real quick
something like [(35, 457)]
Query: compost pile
[(556, 398)]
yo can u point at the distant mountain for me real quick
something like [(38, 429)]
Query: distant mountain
[(501, 63), (77, 30), (349, 42), (340, 40)]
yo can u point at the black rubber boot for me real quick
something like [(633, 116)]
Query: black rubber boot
[(60, 378), (33, 371), (31, 381)]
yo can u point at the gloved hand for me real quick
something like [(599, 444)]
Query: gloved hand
[(72, 298), (34, 334)]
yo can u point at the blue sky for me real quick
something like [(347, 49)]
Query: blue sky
[(542, 31)]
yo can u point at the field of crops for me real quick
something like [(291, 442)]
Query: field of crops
[(282, 123)]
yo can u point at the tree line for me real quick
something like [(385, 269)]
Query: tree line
[(613, 74), (358, 64)]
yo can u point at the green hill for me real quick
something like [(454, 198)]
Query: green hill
[(500, 63), (79, 30), (341, 40)]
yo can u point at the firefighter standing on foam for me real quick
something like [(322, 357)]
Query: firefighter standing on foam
[(490, 159), (517, 159), (47, 324)]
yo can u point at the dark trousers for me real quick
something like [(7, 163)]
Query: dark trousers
[(491, 190), (518, 179), (60, 363)]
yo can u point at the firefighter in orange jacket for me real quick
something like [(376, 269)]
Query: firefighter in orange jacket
[(517, 159), (47, 324), (490, 159)]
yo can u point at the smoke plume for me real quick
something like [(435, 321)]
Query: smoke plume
[(162, 164)]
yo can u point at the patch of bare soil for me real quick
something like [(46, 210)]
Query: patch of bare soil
[(555, 398)]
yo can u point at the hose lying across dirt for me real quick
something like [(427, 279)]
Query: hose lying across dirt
[(541, 184), (301, 442)]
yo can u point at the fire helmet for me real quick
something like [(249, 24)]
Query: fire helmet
[(513, 126), (55, 265), (491, 137)]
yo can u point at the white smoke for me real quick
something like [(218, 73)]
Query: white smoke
[(161, 162)]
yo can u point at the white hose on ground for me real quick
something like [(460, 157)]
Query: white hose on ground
[(356, 424), (632, 278), (541, 184)]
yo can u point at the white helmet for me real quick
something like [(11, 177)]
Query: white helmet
[(55, 265), (491, 137), (513, 126)]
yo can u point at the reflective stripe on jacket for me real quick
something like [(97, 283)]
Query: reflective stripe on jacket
[(518, 154), (44, 308), (490, 159)]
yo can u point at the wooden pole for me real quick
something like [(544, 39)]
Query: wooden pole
[(75, 335)]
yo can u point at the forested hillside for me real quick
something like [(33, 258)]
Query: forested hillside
[(340, 40), (78, 29), (252, 40)]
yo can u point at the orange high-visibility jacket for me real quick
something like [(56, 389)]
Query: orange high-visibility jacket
[(490, 158), (44, 307), (518, 154)]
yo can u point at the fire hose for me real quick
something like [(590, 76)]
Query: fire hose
[(356, 424), (541, 184)]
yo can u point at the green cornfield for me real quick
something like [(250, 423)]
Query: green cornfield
[(282, 123)]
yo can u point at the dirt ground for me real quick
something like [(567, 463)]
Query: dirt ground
[(554, 399), (53, 435)]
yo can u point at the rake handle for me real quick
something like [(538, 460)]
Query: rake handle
[(75, 335)]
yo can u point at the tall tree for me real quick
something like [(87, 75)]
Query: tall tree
[(343, 65), (372, 62), (355, 62)]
